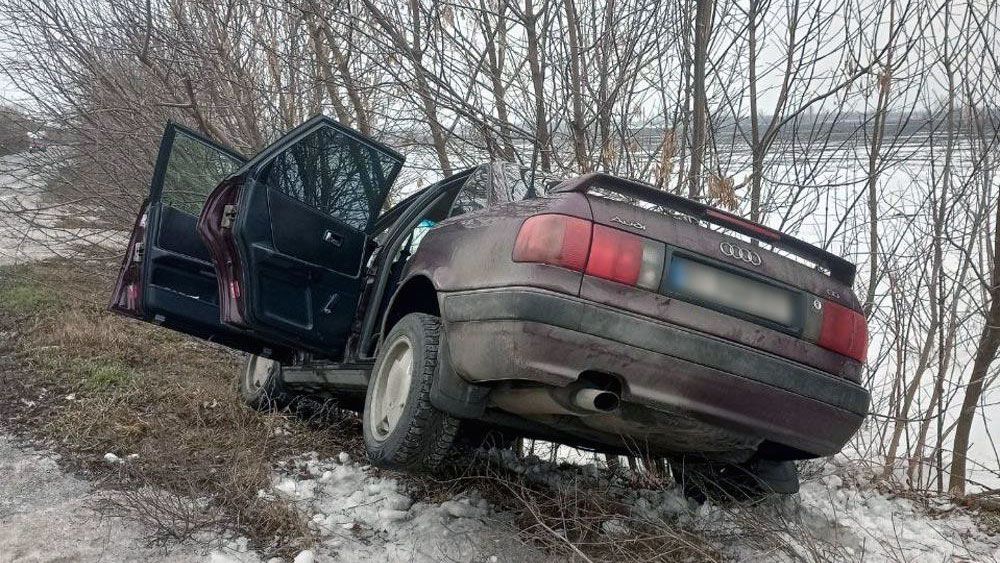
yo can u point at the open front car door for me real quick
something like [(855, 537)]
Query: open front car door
[(289, 234), (167, 276)]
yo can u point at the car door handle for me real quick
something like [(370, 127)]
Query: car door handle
[(331, 303), (333, 238)]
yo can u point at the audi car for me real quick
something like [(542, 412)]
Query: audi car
[(595, 311)]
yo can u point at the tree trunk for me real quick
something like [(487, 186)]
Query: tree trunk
[(576, 124), (702, 36), (537, 69), (986, 352)]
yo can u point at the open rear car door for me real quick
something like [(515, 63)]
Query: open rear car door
[(289, 234), (167, 276)]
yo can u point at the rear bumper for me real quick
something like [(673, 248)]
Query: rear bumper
[(537, 335)]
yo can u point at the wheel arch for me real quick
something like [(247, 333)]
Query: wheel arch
[(417, 294)]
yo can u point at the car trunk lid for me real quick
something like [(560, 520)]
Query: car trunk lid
[(656, 214), (773, 280)]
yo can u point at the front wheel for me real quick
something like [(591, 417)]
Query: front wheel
[(261, 385), (402, 429)]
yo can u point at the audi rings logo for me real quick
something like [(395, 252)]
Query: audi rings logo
[(738, 252)]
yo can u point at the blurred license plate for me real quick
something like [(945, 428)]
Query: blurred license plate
[(714, 285)]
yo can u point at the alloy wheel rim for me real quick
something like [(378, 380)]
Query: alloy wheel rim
[(392, 388), (259, 371)]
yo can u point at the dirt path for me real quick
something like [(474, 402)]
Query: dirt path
[(46, 515)]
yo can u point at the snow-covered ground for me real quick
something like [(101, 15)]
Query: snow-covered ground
[(47, 515), (362, 515), (853, 521), (836, 516)]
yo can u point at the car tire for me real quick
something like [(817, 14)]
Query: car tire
[(261, 385), (402, 429)]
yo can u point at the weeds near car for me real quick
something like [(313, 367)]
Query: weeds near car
[(88, 383), (91, 383)]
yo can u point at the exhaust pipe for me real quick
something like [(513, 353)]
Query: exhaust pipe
[(572, 400), (595, 400)]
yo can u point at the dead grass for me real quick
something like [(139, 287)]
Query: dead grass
[(87, 383), (584, 522)]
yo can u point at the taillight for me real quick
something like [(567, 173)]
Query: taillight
[(600, 251), (615, 255), (844, 331), (625, 258), (558, 240)]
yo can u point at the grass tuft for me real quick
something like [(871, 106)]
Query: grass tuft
[(26, 299), (102, 375)]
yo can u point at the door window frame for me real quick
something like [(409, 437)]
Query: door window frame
[(259, 162), (166, 148), (400, 229)]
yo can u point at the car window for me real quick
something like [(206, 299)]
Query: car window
[(418, 233), (193, 170), (335, 174), (475, 193), (519, 183), (431, 217), (496, 183)]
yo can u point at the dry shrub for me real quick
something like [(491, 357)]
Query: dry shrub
[(588, 520), (775, 527), (722, 190), (566, 511), (988, 508), (581, 522), (579, 513)]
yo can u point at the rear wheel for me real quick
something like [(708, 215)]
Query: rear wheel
[(751, 481), (402, 429), (260, 384)]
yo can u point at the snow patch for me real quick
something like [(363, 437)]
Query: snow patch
[(363, 515), (833, 514)]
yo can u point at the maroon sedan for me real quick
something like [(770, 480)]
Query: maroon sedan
[(598, 312)]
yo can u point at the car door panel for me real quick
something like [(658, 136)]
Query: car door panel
[(176, 228), (288, 267), (126, 296), (302, 232), (167, 277), (293, 237)]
